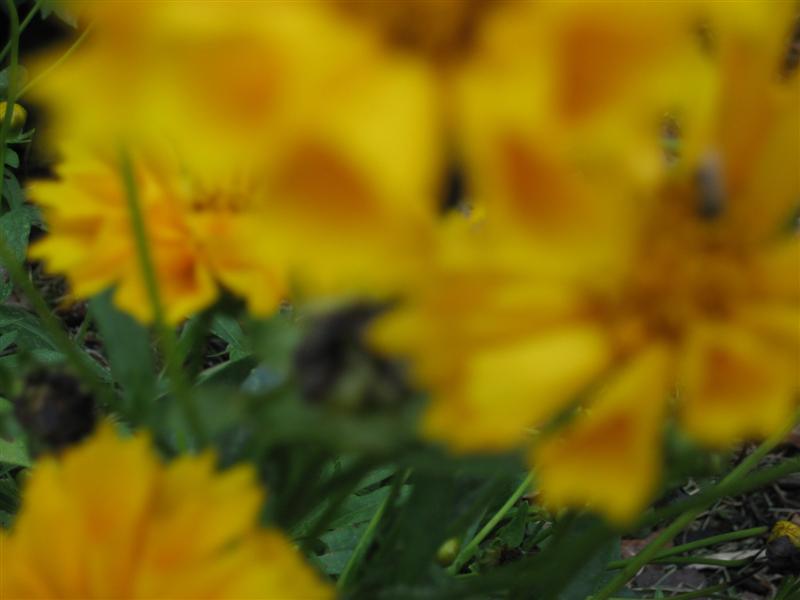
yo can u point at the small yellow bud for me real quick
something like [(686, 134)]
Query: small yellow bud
[(18, 117), (786, 529), (783, 547), (448, 551)]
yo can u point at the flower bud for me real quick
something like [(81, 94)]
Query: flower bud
[(18, 117)]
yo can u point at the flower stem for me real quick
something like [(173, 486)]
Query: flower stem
[(167, 339), (469, 550), (22, 27)]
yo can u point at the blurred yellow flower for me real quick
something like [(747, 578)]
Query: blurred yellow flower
[(310, 163), (107, 520), (609, 457), (579, 275)]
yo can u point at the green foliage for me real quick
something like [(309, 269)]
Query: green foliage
[(15, 227), (127, 346)]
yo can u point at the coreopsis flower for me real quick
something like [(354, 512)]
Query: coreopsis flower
[(107, 520), (691, 284), (194, 247), (274, 160)]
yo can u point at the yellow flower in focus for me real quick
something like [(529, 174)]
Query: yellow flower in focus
[(127, 526), (198, 237), (568, 296)]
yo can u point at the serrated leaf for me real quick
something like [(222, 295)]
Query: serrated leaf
[(333, 563), (229, 330), (30, 333), (343, 538), (357, 509), (377, 476)]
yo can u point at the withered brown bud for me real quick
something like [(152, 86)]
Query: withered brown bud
[(334, 364), (55, 410), (783, 548)]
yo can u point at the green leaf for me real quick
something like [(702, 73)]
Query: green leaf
[(232, 373), (30, 334), (14, 452), (593, 574), (229, 330), (514, 532), (333, 563), (12, 192), (7, 339), (343, 538), (57, 8), (22, 77), (274, 341), (11, 158), (419, 525), (129, 351), (358, 509), (15, 228), (47, 357), (9, 495)]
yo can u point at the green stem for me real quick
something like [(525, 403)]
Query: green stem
[(169, 345), (685, 519), (354, 562), (56, 63), (469, 550), (84, 365), (705, 542), (22, 27), (11, 93)]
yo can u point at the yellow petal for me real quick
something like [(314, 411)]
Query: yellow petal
[(608, 459), (735, 385), (510, 388)]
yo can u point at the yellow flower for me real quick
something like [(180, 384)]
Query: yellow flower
[(558, 116), (194, 246), (314, 163), (107, 520), (579, 274)]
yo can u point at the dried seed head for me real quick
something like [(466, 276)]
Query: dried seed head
[(55, 410)]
